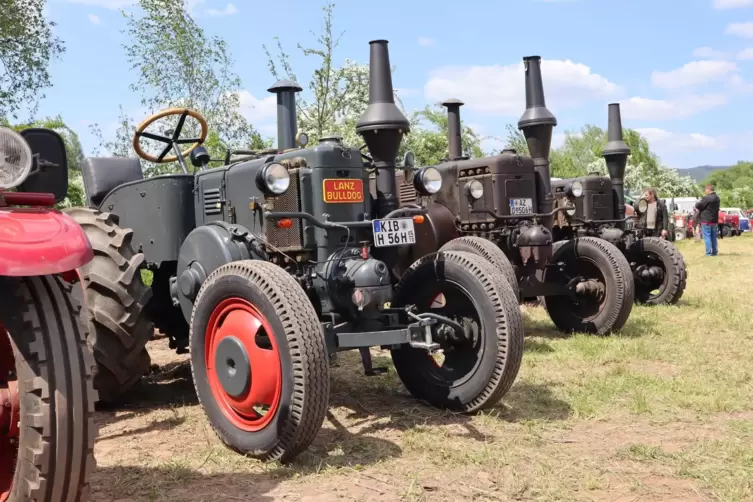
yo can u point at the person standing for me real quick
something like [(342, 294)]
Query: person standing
[(708, 207), (655, 221)]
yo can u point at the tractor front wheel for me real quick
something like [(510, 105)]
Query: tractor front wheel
[(47, 394), (259, 360), (115, 298), (475, 370), (602, 286), (659, 271)]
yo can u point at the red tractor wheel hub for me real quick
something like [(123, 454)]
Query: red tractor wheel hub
[(243, 364)]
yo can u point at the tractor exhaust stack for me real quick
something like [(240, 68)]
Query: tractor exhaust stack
[(615, 154), (382, 126), (287, 124), (537, 123), (453, 128)]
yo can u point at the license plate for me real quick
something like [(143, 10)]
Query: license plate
[(342, 191), (521, 206), (393, 232)]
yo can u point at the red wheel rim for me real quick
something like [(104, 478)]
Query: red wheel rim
[(9, 415), (239, 320)]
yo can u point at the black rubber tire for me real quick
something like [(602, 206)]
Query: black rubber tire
[(115, 294), (675, 278), (303, 356), (726, 231), (620, 288), (54, 368), (490, 252), (501, 327)]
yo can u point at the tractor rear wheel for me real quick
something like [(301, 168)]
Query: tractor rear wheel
[(659, 271), (47, 395), (115, 294), (604, 289), (259, 360), (488, 251), (476, 370)]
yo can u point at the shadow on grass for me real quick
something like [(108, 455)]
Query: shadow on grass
[(635, 327)]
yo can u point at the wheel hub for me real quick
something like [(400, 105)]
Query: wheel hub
[(233, 366)]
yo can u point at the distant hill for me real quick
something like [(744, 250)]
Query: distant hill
[(700, 173)]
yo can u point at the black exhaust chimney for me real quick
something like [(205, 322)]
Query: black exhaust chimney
[(453, 128), (382, 126), (537, 124), (287, 125), (615, 153)]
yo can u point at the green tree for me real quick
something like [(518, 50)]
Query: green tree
[(27, 47), (178, 65)]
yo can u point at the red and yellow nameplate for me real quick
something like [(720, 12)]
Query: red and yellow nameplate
[(342, 191)]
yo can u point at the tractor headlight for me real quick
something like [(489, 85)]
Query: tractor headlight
[(570, 209), (15, 158), (642, 206), (576, 189), (273, 179), (474, 189), (428, 180)]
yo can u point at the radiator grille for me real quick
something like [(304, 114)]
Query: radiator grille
[(212, 201), (287, 239), (407, 193)]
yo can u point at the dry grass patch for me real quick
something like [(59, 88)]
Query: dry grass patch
[(662, 411)]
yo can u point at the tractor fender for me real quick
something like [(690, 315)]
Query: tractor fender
[(41, 241), (437, 229)]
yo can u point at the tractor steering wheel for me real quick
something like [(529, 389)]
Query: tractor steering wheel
[(171, 143)]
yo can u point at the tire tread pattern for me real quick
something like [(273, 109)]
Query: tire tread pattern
[(489, 251)]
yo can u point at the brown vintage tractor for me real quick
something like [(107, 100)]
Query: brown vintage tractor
[(47, 395)]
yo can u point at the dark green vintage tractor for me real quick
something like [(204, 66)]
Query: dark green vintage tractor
[(657, 265), (278, 259), (501, 208)]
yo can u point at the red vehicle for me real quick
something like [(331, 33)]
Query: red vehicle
[(729, 225), (47, 394)]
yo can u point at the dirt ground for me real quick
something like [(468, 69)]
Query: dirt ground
[(661, 412)]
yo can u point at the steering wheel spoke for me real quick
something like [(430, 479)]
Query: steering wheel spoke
[(175, 139)]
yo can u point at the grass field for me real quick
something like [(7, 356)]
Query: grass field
[(662, 411)]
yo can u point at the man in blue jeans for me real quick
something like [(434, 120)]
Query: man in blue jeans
[(708, 208)]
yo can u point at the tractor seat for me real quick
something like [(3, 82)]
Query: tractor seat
[(103, 174)]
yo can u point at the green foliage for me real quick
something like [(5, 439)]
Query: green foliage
[(428, 137), (26, 48), (178, 65), (734, 185)]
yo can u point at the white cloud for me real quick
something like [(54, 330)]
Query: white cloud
[(229, 10), (740, 29), (732, 4), (94, 19), (745, 54), (255, 109), (693, 73), (709, 53), (427, 42), (638, 108), (668, 141), (107, 4), (501, 89)]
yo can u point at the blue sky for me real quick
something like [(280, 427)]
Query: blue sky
[(682, 69)]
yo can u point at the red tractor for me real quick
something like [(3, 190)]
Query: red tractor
[(47, 394), (729, 225)]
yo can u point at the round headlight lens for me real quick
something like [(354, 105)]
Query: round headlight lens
[(15, 158), (428, 181), (275, 179), (474, 189), (642, 205), (576, 188)]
